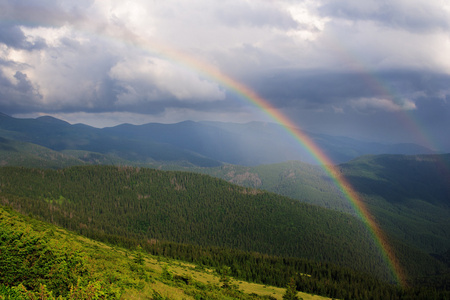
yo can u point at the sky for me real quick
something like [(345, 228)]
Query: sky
[(375, 70)]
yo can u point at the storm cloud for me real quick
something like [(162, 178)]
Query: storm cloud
[(355, 68)]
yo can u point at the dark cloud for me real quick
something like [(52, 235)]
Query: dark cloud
[(42, 13), (14, 37), (19, 96), (321, 89), (414, 15)]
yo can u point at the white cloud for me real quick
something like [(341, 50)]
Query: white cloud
[(376, 104), (153, 79)]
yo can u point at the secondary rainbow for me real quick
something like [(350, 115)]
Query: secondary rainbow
[(382, 88)]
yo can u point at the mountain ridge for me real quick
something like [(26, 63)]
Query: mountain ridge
[(200, 143)]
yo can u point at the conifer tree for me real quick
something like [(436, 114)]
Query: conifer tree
[(139, 258), (224, 277), (291, 291)]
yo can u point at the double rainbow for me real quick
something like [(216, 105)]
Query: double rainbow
[(304, 140)]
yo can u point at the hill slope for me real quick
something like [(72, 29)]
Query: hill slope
[(294, 179), (41, 261), (409, 195)]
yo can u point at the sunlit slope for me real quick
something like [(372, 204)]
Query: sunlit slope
[(189, 208)]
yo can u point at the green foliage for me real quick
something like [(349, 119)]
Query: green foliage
[(291, 291), (35, 260), (407, 195), (166, 274), (35, 263), (157, 296), (138, 258), (225, 277)]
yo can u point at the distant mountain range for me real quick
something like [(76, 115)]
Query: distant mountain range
[(204, 144)]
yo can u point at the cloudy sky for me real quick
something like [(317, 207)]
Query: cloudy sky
[(377, 70)]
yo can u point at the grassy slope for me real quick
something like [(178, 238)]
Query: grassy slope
[(116, 269)]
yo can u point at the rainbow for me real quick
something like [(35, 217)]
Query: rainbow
[(209, 71), (304, 140)]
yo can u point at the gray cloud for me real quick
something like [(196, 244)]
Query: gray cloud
[(321, 89), (14, 37), (18, 96), (43, 12), (414, 15), (259, 14)]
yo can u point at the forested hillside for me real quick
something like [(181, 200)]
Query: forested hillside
[(408, 195), (294, 179), (40, 261), (117, 204), (188, 208)]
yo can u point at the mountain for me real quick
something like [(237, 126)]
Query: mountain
[(16, 153), (58, 135), (254, 143), (188, 208), (407, 194), (205, 144)]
